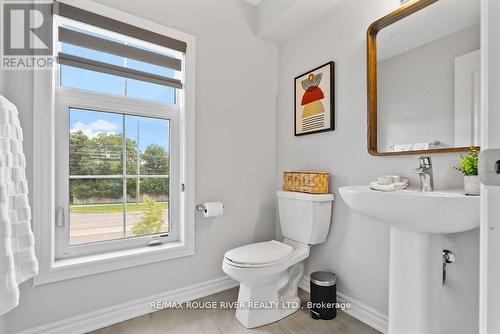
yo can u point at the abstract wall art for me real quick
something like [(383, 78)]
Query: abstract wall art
[(314, 100)]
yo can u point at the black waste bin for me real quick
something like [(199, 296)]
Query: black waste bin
[(323, 295)]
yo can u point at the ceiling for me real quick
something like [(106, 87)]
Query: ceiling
[(279, 20)]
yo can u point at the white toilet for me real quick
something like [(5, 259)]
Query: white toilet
[(269, 272)]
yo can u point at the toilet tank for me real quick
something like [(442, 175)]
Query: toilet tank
[(305, 217)]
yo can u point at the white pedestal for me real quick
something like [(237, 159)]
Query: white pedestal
[(415, 283)]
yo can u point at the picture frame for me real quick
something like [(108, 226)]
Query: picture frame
[(314, 100)]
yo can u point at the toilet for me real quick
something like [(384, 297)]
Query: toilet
[(269, 272)]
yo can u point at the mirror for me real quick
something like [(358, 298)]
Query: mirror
[(424, 78)]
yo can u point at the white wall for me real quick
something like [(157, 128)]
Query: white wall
[(416, 91), (357, 249), (235, 159)]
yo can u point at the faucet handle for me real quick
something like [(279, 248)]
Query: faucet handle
[(424, 161)]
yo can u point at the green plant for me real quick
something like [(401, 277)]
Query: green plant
[(468, 163), (152, 219)]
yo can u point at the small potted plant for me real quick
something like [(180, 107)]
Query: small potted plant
[(468, 167)]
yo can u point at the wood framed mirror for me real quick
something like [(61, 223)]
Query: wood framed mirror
[(424, 78)]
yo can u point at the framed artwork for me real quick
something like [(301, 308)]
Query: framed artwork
[(314, 100)]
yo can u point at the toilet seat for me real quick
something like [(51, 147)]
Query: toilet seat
[(259, 254)]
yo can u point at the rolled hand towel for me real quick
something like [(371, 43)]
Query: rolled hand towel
[(421, 146), (389, 179), (389, 187), (411, 147), (403, 147)]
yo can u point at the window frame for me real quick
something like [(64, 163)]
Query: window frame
[(66, 98), (44, 191)]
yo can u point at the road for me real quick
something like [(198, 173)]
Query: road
[(93, 227)]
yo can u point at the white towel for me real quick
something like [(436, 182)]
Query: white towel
[(403, 147), (17, 254), (389, 187), (421, 146), (411, 147)]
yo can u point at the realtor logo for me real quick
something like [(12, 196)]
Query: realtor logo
[(27, 35)]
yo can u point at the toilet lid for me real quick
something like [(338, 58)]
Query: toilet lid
[(259, 253)]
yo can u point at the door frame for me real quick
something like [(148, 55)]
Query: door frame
[(489, 294)]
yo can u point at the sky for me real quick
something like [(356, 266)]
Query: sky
[(92, 123)]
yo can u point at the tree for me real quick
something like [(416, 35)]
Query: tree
[(78, 143), (148, 186), (91, 188), (155, 160), (103, 155), (99, 155), (152, 219)]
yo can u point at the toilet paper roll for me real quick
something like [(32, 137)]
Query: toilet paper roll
[(213, 209)]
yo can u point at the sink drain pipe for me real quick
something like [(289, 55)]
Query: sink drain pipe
[(448, 257)]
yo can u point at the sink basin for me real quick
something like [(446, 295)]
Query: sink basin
[(417, 220), (410, 209)]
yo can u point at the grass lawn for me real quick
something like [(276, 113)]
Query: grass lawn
[(110, 208)]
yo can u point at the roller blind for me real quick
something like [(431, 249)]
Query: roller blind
[(127, 51)]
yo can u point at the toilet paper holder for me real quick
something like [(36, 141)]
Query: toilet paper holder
[(205, 207), (201, 208)]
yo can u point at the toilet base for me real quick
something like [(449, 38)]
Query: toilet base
[(257, 318), (269, 302)]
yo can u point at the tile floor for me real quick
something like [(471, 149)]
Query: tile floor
[(223, 321)]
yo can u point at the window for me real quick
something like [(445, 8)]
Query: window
[(119, 137), (118, 176)]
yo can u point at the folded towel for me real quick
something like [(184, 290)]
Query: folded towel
[(389, 179), (389, 187), (403, 147), (17, 255), (421, 146), (411, 147)]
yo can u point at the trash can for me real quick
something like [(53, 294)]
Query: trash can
[(323, 295)]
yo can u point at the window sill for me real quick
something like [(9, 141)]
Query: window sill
[(65, 269)]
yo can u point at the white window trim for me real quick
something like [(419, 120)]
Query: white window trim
[(44, 205), (66, 98)]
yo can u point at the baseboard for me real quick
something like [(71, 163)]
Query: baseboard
[(358, 310), (111, 315)]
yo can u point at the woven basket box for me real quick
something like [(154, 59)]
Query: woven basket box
[(306, 182)]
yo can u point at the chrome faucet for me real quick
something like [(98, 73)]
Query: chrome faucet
[(424, 171)]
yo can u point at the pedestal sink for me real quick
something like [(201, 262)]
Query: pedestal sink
[(417, 220)]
